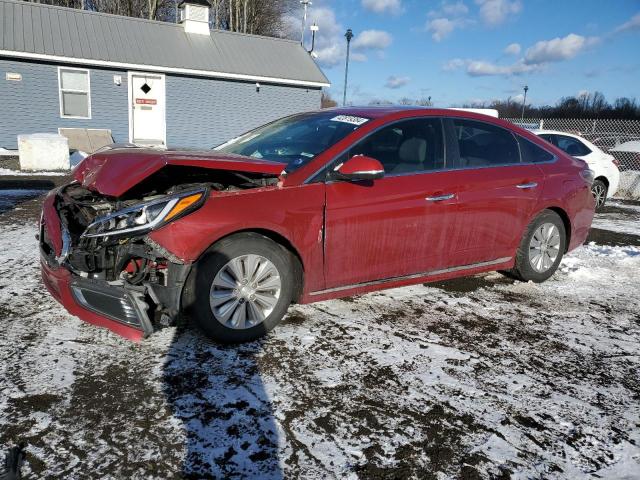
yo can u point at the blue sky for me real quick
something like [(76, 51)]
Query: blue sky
[(478, 50)]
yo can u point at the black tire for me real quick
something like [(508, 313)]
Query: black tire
[(523, 269), (196, 293), (599, 190)]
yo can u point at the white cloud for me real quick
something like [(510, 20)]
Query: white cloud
[(383, 6), (583, 93), (444, 20), (495, 12), (517, 98), (454, 9), (481, 68), (454, 64), (396, 82), (513, 49), (558, 49), (440, 28), (372, 40), (632, 24), (330, 44)]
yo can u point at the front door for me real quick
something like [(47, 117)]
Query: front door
[(398, 225), (147, 115)]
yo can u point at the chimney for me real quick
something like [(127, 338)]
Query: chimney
[(194, 15)]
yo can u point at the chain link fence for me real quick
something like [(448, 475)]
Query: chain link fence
[(620, 138)]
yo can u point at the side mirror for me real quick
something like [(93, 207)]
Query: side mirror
[(360, 167)]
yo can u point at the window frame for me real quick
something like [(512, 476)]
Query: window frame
[(69, 90), (560, 136), (451, 131), (321, 175), (417, 172)]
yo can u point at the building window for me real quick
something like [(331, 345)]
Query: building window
[(75, 93)]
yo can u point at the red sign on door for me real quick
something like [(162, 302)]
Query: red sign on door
[(146, 101)]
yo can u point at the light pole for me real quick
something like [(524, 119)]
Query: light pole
[(305, 4), (524, 101), (348, 36)]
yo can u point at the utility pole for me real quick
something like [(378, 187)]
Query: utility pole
[(348, 36), (524, 101), (305, 4)]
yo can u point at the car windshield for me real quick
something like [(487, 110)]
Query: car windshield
[(294, 140)]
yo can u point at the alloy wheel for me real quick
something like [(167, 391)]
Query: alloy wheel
[(245, 291), (544, 247), (599, 192)]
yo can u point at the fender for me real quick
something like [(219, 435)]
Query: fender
[(254, 210)]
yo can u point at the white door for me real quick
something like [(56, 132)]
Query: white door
[(147, 114)]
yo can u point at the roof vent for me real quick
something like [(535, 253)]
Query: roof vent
[(194, 15)]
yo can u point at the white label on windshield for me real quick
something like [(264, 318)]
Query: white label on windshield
[(350, 119)]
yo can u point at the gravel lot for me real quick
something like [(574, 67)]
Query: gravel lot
[(473, 378)]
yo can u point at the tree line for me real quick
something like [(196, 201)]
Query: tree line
[(260, 17), (586, 105)]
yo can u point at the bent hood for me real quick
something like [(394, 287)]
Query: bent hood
[(114, 172)]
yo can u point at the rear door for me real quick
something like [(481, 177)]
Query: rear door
[(398, 225), (499, 192)]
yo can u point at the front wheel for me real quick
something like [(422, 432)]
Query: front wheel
[(241, 288), (541, 248), (599, 190)]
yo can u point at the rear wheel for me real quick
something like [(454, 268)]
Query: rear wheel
[(599, 190), (541, 248), (241, 288)]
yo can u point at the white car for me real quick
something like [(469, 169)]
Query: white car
[(604, 166)]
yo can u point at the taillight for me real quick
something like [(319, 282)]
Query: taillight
[(616, 162), (588, 175)]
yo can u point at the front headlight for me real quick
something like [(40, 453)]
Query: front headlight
[(144, 217)]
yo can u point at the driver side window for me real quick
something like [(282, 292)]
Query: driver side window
[(409, 146)]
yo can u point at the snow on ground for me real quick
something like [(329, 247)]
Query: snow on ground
[(21, 173), (619, 217), (473, 378)]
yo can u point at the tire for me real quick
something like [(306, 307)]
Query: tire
[(529, 265), (210, 283), (599, 190)]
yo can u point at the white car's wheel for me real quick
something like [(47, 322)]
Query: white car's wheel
[(599, 190)]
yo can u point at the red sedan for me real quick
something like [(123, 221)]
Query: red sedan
[(310, 207)]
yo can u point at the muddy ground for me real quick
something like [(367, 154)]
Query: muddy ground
[(473, 378)]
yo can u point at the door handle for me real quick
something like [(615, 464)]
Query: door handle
[(439, 198), (524, 186)]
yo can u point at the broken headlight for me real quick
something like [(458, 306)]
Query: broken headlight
[(144, 217)]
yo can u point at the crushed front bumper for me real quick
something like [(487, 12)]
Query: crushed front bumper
[(132, 311)]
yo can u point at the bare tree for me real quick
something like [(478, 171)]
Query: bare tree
[(326, 101), (260, 17)]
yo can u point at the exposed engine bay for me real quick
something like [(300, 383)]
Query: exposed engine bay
[(105, 241)]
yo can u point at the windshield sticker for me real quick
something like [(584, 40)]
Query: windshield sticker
[(350, 119)]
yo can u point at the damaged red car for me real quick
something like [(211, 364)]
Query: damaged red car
[(311, 207)]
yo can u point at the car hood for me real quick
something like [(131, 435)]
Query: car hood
[(113, 172)]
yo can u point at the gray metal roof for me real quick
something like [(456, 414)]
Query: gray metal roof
[(33, 30)]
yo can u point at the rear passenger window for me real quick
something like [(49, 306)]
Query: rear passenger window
[(409, 146), (484, 145), (572, 146), (532, 153)]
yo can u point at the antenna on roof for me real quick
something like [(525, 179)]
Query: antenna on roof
[(305, 4)]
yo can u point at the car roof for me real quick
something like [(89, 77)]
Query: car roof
[(554, 132), (381, 111), (377, 111)]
